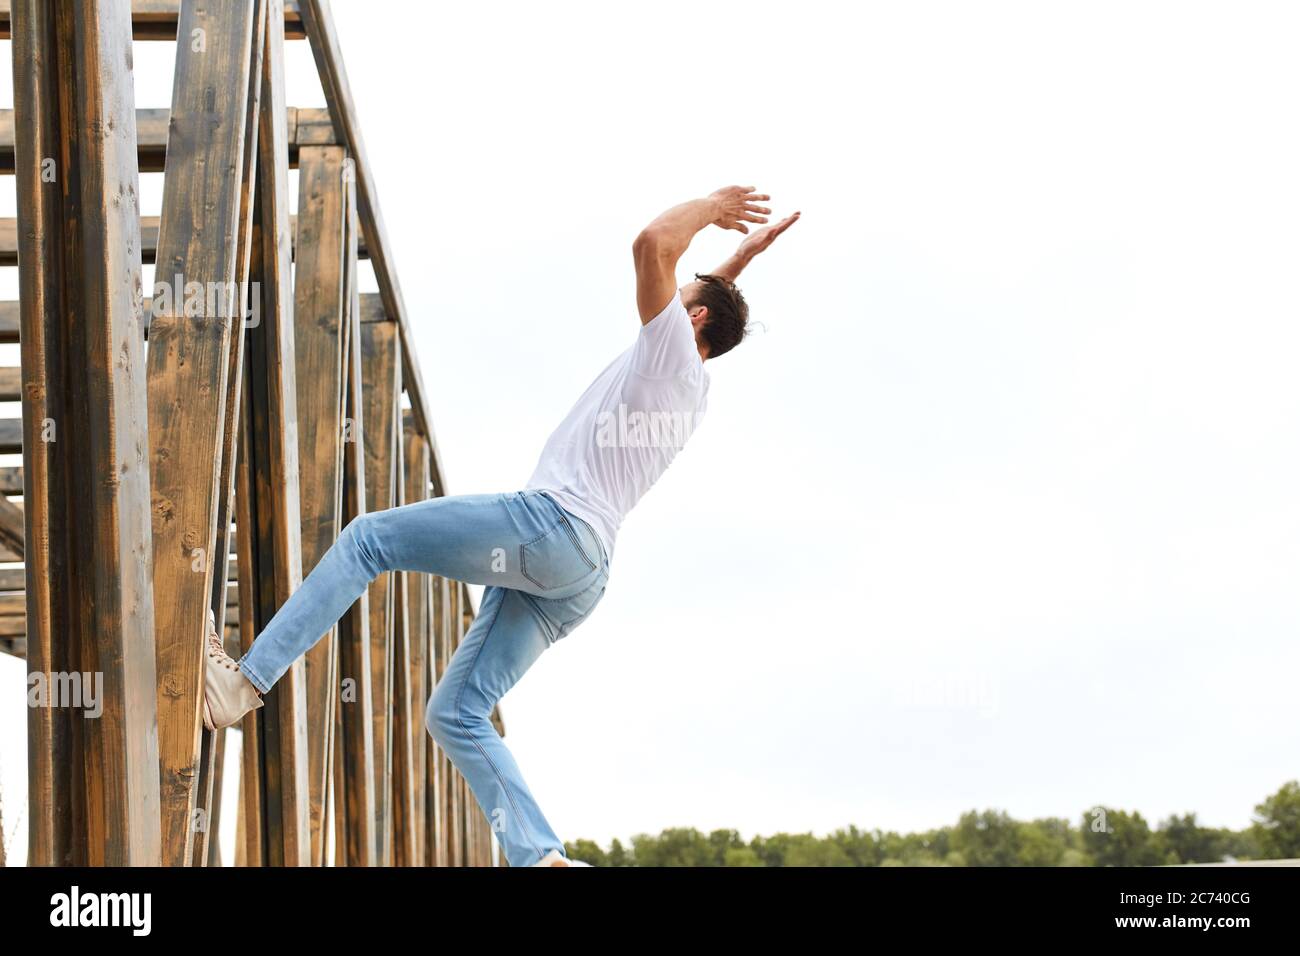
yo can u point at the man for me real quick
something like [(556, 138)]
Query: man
[(543, 553)]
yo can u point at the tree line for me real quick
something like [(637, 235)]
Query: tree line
[(1102, 836)]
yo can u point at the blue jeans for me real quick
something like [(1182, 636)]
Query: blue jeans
[(545, 571)]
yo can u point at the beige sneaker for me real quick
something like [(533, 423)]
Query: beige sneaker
[(227, 694)]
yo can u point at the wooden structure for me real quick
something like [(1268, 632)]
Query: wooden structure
[(201, 447)]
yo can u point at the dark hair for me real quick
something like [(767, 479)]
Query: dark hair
[(728, 313)]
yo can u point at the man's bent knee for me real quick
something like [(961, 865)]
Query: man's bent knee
[(448, 720)]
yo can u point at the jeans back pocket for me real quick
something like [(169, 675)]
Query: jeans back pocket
[(555, 560)]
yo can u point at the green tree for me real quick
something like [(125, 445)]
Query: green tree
[(1118, 838), (988, 838), (1043, 842), (1277, 824), (1191, 842), (860, 846)]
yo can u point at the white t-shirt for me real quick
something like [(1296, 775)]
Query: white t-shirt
[(628, 425)]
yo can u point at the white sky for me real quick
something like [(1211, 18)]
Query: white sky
[(1000, 508)]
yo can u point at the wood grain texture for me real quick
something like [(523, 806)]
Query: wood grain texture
[(157, 19), (272, 448), (381, 395), (439, 767), (93, 784), (414, 639), (319, 316), (233, 412), (307, 127), (355, 746), (150, 227), (188, 375), (319, 25)]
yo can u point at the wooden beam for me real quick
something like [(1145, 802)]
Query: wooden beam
[(188, 375), (157, 19), (372, 310), (272, 448), (319, 24), (456, 804), (354, 752), (411, 683), (93, 789), (307, 127), (319, 324), (438, 768), (149, 227), (381, 392), (233, 417), (11, 526)]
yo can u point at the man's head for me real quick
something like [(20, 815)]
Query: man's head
[(719, 313)]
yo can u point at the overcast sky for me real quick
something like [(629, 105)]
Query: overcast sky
[(999, 509)]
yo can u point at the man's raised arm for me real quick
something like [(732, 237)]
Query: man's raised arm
[(660, 244), (752, 246)]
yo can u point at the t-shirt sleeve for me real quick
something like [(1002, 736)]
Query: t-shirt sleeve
[(665, 347)]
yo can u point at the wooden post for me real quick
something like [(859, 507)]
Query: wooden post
[(470, 810), (189, 369), (354, 753), (272, 449), (410, 686), (438, 767), (319, 325), (319, 25), (381, 392), (93, 783), (206, 795)]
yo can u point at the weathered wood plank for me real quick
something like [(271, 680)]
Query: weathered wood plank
[(319, 25), (307, 127), (439, 766), (157, 19), (234, 405), (11, 526), (188, 375), (319, 316), (381, 394), (272, 448), (372, 309), (251, 838), (149, 228), (11, 382), (456, 808), (411, 682), (355, 745), (11, 436), (93, 784)]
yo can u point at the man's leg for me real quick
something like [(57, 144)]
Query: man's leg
[(507, 636), (478, 539)]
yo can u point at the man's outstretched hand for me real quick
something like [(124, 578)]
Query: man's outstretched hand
[(762, 238), (737, 205)]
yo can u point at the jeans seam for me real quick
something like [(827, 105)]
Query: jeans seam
[(573, 536), (253, 676), (501, 778)]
